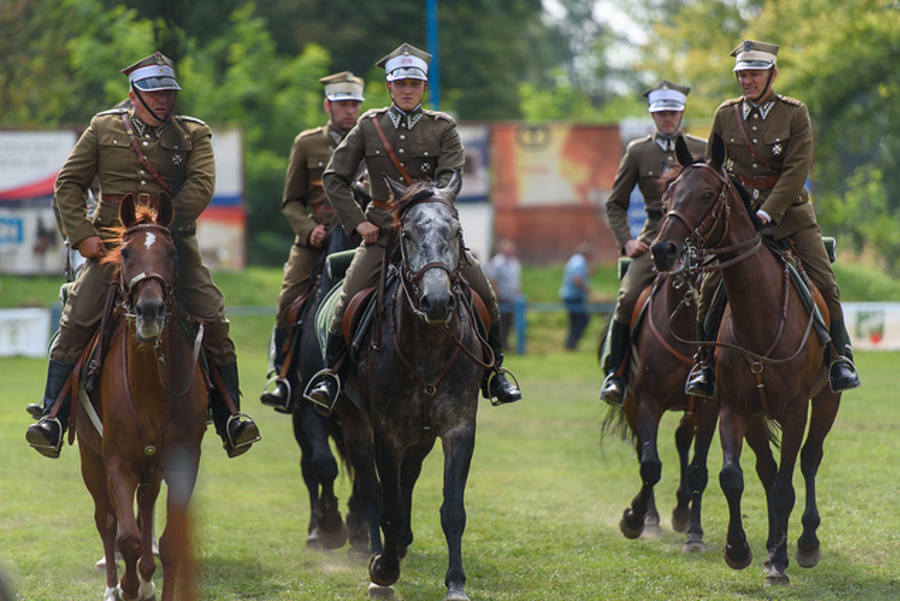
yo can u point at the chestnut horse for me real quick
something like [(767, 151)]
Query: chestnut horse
[(419, 370), (660, 362), (146, 416), (769, 363)]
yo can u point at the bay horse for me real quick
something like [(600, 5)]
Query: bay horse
[(312, 431), (768, 364), (660, 362), (419, 369), (145, 419)]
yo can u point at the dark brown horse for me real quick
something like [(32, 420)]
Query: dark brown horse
[(769, 362), (418, 372), (660, 362), (145, 419)]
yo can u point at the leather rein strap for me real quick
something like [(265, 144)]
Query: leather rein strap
[(390, 151), (141, 156)]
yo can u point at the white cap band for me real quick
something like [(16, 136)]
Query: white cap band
[(151, 71), (406, 66), (666, 99)]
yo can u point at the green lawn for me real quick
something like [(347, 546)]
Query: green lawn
[(544, 497)]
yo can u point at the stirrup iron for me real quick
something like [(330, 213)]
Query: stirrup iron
[(314, 381)]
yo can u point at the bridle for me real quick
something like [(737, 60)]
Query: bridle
[(126, 288), (699, 251)]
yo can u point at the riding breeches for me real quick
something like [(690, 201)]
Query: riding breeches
[(300, 264), (808, 244), (365, 269), (196, 292), (640, 274)]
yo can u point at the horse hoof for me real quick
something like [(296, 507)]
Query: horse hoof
[(807, 558), (737, 559), (681, 519), (359, 553), (376, 591), (651, 532), (334, 539), (456, 592), (776, 577), (314, 541), (627, 529), (694, 546), (378, 575)]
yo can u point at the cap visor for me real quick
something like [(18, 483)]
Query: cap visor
[(753, 66), (406, 73), (156, 84), (342, 96), (665, 105)]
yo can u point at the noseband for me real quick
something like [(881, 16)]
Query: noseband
[(126, 288)]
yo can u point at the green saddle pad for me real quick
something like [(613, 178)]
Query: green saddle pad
[(325, 313)]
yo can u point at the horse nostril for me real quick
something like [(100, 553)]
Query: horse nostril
[(451, 304), (424, 304)]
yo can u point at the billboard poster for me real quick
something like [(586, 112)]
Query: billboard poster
[(30, 241)]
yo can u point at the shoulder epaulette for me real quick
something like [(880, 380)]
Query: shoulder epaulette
[(191, 119), (641, 140), (441, 115), (373, 112), (731, 102), (695, 138), (116, 111), (309, 132), (790, 100)]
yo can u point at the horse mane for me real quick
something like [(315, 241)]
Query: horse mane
[(417, 192), (143, 214)]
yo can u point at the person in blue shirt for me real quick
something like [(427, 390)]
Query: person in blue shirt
[(575, 292)]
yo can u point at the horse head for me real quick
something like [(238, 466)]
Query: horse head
[(146, 262), (430, 241), (698, 210)]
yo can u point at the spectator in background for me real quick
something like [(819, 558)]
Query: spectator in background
[(505, 274), (575, 292)]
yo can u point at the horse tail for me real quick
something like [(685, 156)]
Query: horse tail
[(615, 423), (337, 434), (773, 430)]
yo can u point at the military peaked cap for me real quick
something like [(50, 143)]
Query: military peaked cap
[(151, 74), (406, 62), (753, 55), (667, 96), (343, 86)]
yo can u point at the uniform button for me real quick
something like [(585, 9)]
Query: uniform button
[(143, 182), (146, 143), (425, 153), (754, 140), (401, 151), (403, 164), (143, 172), (115, 141), (402, 136), (754, 128), (755, 165)]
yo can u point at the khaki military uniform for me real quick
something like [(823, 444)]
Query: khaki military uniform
[(182, 154), (304, 205), (645, 160), (781, 133), (427, 145)]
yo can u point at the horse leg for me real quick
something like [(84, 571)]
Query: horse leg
[(458, 450), (94, 476), (384, 568), (697, 476), (146, 500), (824, 410), (122, 484), (684, 436), (632, 522), (358, 444), (174, 544), (737, 552), (783, 496), (320, 469)]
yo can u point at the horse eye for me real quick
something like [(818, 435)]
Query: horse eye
[(709, 195), (125, 253)]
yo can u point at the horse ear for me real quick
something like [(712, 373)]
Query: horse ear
[(126, 210), (685, 158), (165, 212), (455, 184), (397, 189), (718, 152)]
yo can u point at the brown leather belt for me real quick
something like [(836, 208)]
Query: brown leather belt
[(142, 198), (382, 204), (759, 182)]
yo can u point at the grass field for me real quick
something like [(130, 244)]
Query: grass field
[(544, 500)]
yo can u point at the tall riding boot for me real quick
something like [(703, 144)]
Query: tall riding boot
[(237, 430), (280, 397), (842, 374), (46, 436), (616, 368), (325, 387), (495, 385), (701, 381)]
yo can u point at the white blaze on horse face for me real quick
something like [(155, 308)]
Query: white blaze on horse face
[(149, 240)]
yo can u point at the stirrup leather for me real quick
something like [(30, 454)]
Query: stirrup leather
[(314, 381)]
